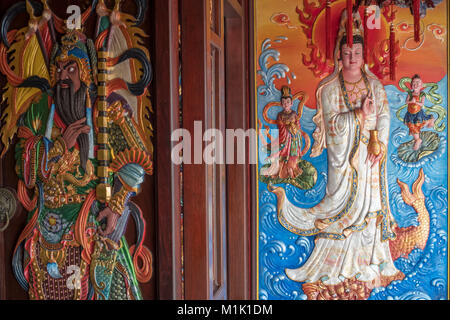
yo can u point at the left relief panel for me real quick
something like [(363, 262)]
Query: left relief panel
[(76, 165)]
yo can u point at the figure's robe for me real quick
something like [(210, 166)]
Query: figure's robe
[(415, 117), (355, 208)]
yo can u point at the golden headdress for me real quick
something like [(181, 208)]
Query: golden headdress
[(74, 47), (286, 92), (357, 27)]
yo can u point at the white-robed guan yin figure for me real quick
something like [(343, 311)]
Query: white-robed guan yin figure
[(352, 224)]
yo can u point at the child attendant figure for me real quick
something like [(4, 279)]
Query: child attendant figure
[(416, 118)]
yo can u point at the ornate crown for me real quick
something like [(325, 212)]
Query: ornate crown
[(286, 92), (357, 26)]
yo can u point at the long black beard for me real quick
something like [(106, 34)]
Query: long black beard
[(71, 107)]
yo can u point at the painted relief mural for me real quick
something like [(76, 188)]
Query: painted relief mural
[(352, 100), (78, 106)]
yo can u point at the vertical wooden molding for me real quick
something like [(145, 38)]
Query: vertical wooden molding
[(2, 247), (194, 54), (249, 107), (253, 190), (236, 116), (197, 40), (166, 82)]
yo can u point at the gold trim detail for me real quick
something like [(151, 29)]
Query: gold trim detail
[(117, 202)]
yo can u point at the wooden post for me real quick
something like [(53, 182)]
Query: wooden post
[(166, 105)]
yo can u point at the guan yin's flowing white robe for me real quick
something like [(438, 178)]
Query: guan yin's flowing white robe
[(355, 197)]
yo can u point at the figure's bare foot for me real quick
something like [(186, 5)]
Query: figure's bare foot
[(417, 144), (291, 173)]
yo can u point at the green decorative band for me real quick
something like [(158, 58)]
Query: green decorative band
[(387, 233)]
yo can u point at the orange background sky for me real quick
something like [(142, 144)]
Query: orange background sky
[(430, 60)]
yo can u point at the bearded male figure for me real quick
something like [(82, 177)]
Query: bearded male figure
[(82, 157)]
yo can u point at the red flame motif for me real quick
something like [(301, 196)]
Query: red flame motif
[(312, 11), (311, 17), (388, 13), (381, 54), (317, 63)]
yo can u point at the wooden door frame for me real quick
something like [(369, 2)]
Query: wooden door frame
[(194, 78), (2, 250), (253, 178), (238, 175), (195, 52), (168, 191)]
